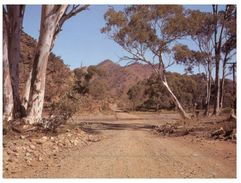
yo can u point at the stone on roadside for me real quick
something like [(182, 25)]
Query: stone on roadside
[(29, 150), (52, 139), (42, 140), (32, 146), (76, 142), (10, 160), (27, 154), (93, 138)]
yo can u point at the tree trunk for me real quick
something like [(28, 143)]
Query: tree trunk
[(161, 75), (223, 79), (234, 89), (7, 87), (222, 91), (50, 17), (217, 47), (15, 15), (217, 88), (178, 105), (27, 92), (208, 94)]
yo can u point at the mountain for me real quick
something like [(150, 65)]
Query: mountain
[(121, 78), (58, 74)]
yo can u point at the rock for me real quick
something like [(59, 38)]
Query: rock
[(68, 130), (42, 140), (55, 148), (52, 139), (60, 144), (29, 150), (22, 137), (16, 154), (29, 162), (92, 138), (40, 158), (25, 127), (27, 154), (10, 159), (76, 142), (9, 152), (218, 132), (32, 146), (14, 149)]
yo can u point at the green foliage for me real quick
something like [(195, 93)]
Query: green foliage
[(87, 81), (188, 89), (93, 71), (68, 105), (98, 89), (79, 73), (135, 94), (145, 28)]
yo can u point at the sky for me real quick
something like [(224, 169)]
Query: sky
[(81, 43)]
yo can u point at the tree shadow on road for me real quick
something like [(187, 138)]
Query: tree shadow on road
[(97, 127)]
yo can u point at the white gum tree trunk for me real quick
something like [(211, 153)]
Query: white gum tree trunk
[(27, 92), (208, 89), (176, 101), (7, 87), (50, 17), (15, 15), (161, 74)]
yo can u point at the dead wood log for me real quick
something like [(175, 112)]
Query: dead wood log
[(218, 132)]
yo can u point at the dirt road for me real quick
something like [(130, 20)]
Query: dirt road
[(130, 149)]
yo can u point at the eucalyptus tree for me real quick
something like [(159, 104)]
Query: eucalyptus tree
[(7, 87), (215, 36), (228, 49), (194, 58), (223, 21), (12, 27), (147, 33), (52, 19)]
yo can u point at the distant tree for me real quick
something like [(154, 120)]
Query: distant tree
[(228, 49), (200, 28), (221, 18), (211, 31), (136, 94), (191, 59), (158, 97), (149, 94), (52, 20), (147, 29), (98, 89)]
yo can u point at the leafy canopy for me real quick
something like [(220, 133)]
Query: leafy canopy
[(145, 28)]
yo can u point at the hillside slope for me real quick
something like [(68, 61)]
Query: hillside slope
[(121, 78), (58, 74)]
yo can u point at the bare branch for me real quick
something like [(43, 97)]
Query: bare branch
[(74, 11)]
